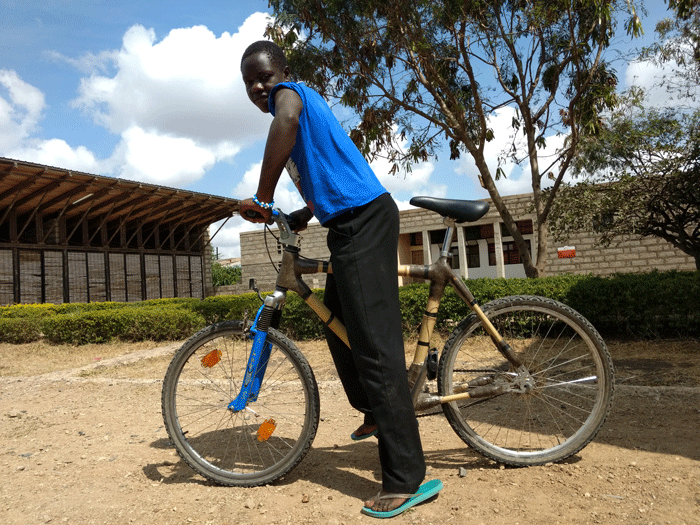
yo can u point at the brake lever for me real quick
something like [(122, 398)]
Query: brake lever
[(287, 235)]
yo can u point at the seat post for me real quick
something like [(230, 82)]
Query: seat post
[(449, 233)]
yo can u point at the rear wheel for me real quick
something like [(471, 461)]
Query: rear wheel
[(257, 444), (546, 411)]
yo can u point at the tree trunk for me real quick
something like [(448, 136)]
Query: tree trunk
[(531, 270)]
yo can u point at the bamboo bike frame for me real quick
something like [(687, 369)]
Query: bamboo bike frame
[(439, 274)]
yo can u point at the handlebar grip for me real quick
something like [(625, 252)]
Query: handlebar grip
[(251, 214)]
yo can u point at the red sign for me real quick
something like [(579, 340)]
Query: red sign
[(567, 252)]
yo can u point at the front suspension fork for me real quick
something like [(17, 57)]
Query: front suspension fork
[(267, 316)]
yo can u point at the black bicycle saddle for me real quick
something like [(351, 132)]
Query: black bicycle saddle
[(459, 210)]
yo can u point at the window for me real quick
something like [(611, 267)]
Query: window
[(473, 260), (454, 251), (472, 254), (486, 231), (472, 233), (416, 239), (525, 228), (510, 253), (437, 237)]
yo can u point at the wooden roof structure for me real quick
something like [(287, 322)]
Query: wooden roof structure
[(32, 195)]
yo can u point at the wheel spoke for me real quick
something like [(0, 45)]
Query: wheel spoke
[(559, 398), (253, 446)]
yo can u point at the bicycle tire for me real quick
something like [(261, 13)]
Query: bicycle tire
[(258, 444), (569, 395)]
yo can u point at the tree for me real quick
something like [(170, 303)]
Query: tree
[(433, 73), (224, 275), (679, 43), (642, 177), (641, 174)]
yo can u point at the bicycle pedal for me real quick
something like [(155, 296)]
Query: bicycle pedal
[(432, 364)]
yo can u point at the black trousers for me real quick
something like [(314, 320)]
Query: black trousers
[(363, 292)]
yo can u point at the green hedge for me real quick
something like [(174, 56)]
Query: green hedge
[(223, 307), (651, 305), (128, 324), (18, 330), (656, 304)]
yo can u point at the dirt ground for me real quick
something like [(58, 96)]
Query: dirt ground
[(82, 441)]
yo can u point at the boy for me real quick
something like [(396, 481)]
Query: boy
[(344, 194)]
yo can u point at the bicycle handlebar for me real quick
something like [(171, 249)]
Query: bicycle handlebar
[(286, 224)]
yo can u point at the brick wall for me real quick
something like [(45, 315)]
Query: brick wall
[(629, 255)]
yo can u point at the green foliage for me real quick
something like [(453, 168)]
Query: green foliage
[(414, 71), (127, 324), (223, 307), (679, 45), (299, 322), (18, 330), (641, 177), (656, 304), (225, 275), (27, 310)]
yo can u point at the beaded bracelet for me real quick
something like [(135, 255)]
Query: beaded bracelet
[(264, 205)]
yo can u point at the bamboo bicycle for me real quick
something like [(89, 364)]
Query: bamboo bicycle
[(523, 380)]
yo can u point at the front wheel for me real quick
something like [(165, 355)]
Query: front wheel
[(546, 410), (247, 447)]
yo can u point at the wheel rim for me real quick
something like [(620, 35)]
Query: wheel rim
[(262, 440), (568, 399)]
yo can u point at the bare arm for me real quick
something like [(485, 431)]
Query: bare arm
[(280, 142)]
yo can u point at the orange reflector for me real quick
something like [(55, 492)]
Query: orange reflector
[(266, 429), (211, 358)]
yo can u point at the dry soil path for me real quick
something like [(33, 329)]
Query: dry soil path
[(87, 445)]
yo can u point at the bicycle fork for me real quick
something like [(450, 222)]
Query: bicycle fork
[(259, 352)]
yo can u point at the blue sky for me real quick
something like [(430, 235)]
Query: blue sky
[(151, 91)]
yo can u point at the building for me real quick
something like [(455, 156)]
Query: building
[(69, 237), (481, 249)]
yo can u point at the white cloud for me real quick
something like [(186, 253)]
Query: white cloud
[(161, 159), (405, 205), (187, 84), (654, 79), (517, 179), (58, 153), (287, 197), (178, 105), (228, 240), (21, 108), (88, 63), (413, 182)]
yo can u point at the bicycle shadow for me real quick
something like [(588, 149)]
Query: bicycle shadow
[(660, 421), (344, 469)]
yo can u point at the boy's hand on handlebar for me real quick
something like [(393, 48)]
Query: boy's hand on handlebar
[(254, 213), (299, 219)]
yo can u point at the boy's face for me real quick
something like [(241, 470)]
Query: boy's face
[(260, 76)]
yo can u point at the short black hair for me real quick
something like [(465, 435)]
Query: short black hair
[(273, 51)]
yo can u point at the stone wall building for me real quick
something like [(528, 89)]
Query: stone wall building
[(481, 249)]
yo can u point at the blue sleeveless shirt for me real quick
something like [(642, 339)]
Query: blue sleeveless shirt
[(327, 168)]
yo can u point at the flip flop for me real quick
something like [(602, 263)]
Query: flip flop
[(425, 491), (364, 436)]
